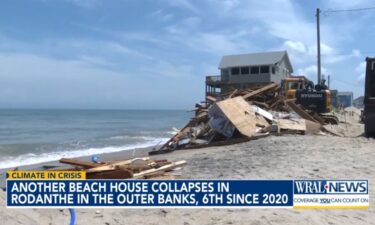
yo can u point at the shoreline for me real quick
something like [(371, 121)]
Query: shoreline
[(274, 157)]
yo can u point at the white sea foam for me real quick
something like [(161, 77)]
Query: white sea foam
[(30, 158), (127, 137)]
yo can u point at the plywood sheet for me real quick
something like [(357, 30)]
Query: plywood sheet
[(240, 114), (289, 124)]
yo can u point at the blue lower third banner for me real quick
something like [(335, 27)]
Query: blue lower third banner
[(150, 193)]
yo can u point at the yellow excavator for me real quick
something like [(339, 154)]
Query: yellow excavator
[(316, 99)]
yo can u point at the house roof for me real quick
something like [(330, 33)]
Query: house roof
[(254, 59)]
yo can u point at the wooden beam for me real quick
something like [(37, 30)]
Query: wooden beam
[(160, 169), (233, 93), (302, 113), (172, 138), (76, 162), (260, 90), (114, 165), (211, 99)]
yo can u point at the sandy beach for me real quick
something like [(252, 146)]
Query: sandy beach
[(274, 157)]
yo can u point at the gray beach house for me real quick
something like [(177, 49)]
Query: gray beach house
[(247, 70)]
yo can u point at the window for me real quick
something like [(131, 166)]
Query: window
[(273, 70), (264, 69), (235, 70), (254, 70), (244, 70), (224, 72)]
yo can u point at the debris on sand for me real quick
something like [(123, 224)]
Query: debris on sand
[(242, 116)]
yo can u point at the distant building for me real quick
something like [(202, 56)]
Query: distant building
[(247, 70), (334, 102), (359, 102), (345, 99)]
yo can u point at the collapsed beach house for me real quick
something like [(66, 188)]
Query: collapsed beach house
[(246, 102)]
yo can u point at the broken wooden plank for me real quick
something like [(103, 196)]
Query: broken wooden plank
[(233, 93), (260, 90), (292, 124), (172, 138), (302, 113), (261, 122), (262, 112), (211, 99), (168, 167), (76, 162), (114, 165)]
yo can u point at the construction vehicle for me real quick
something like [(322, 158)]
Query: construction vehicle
[(369, 100), (316, 99)]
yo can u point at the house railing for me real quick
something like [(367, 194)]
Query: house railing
[(215, 80)]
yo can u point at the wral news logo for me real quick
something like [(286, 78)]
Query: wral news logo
[(330, 187), (331, 194)]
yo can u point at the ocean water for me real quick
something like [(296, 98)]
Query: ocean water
[(35, 136)]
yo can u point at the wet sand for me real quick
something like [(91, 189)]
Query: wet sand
[(274, 157)]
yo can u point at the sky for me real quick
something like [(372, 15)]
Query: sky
[(155, 54)]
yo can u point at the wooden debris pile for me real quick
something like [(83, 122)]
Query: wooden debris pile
[(137, 168), (241, 116)]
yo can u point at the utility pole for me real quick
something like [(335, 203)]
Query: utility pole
[(329, 81), (318, 43)]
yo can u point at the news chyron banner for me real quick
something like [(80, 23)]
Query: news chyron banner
[(70, 189)]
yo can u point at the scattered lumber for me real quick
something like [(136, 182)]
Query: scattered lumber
[(76, 162), (260, 90), (242, 115), (125, 169)]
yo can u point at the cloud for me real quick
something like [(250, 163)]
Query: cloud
[(184, 27), (311, 72), (161, 15), (360, 70), (168, 69), (339, 4), (34, 81), (216, 43), (31, 81), (184, 4), (84, 3), (296, 45), (356, 53), (282, 19), (94, 61), (126, 50)]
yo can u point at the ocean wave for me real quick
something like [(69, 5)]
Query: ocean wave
[(128, 137), (31, 158)]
